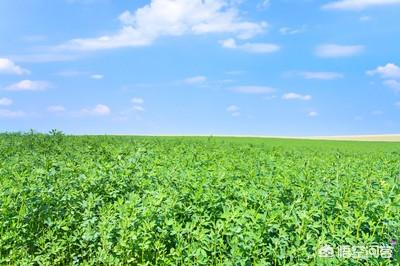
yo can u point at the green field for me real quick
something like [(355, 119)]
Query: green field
[(108, 200)]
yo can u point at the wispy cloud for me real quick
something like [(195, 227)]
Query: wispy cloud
[(264, 4), (137, 100), (257, 48), (98, 110), (336, 50), (233, 110), (313, 114), (292, 31), (29, 85), (392, 84), (138, 104), (9, 67), (319, 75), (365, 18), (5, 113), (56, 109), (377, 112), (5, 101), (358, 4), (171, 18), (47, 57), (253, 89), (96, 76), (296, 96), (71, 73), (196, 80)]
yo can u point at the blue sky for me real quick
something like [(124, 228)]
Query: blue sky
[(278, 67)]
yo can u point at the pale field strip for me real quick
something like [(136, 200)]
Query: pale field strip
[(384, 137), (361, 138)]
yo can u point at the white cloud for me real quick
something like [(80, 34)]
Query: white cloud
[(365, 18), (138, 108), (358, 4), (55, 56), (313, 114), (392, 84), (96, 76), (5, 102), (296, 96), (336, 50), (195, 80), (4, 113), (137, 104), (388, 71), (292, 31), (258, 48), (172, 18), (29, 85), (9, 67), (253, 90), (137, 100), (71, 73), (321, 75), (98, 110), (56, 109), (233, 110), (264, 4)]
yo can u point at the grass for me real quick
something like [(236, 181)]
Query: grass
[(107, 200)]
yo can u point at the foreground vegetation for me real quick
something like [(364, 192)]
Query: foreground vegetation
[(104, 200)]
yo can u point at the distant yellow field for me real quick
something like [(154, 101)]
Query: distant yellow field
[(362, 138)]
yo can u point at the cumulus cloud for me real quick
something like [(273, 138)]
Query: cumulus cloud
[(29, 85), (390, 70), (172, 18), (254, 89), (391, 75), (233, 110), (98, 110), (9, 67), (336, 50), (257, 48), (195, 80), (296, 96), (358, 4), (320, 75), (5, 102), (313, 114)]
